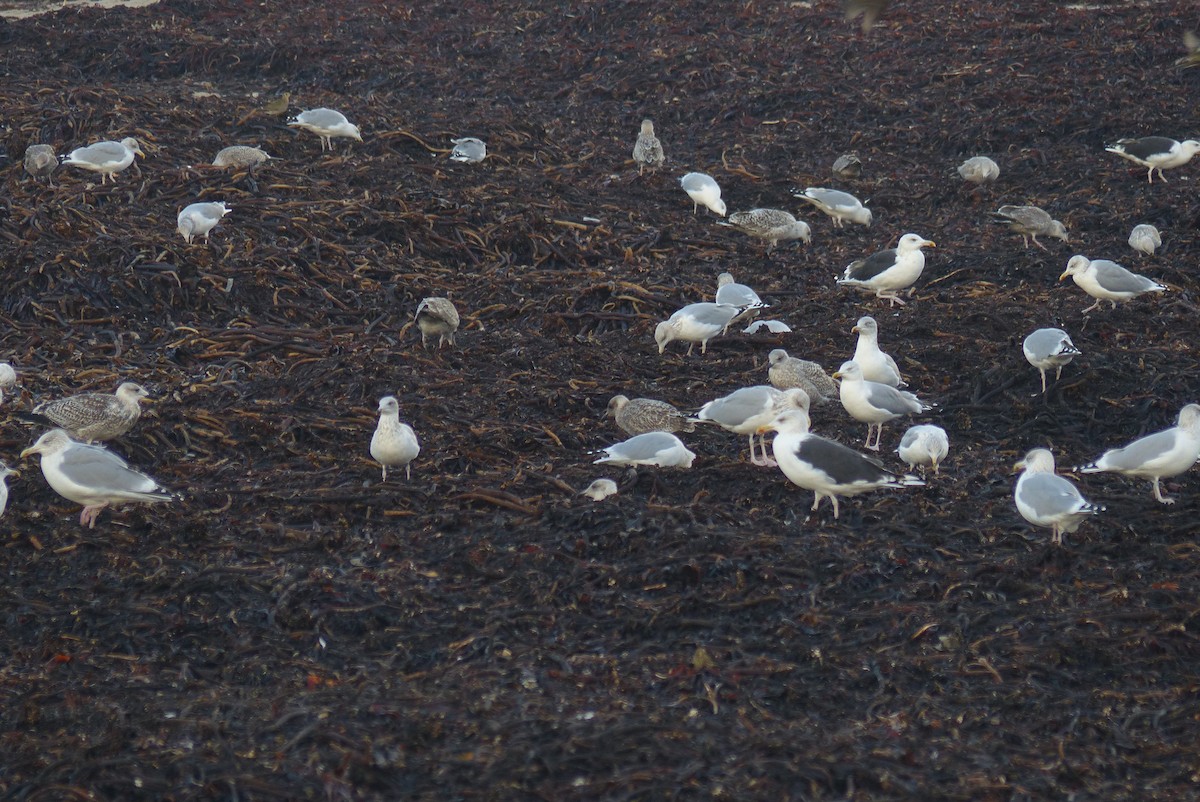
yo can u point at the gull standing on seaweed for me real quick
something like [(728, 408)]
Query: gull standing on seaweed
[(888, 272), (1145, 238), (1029, 221), (1157, 456), (326, 123), (1049, 348), (40, 161), (95, 417), (661, 449), (841, 206), (1156, 153), (1107, 281), (924, 444), (876, 365), (979, 170), (731, 292), (786, 372), (107, 158), (648, 151), (470, 150), (873, 403), (238, 156), (198, 219), (746, 410), (394, 444), (1046, 499), (437, 317), (695, 323), (772, 225), (704, 191), (641, 415)]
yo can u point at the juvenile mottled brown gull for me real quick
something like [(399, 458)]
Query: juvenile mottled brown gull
[(876, 365), (1157, 456), (662, 449), (107, 158), (924, 445), (326, 123), (648, 151), (888, 272), (747, 410), (848, 165), (92, 476), (1145, 238), (695, 323), (1107, 281), (1156, 153), (641, 415), (1029, 221), (869, 9), (394, 444), (873, 403), (827, 467), (600, 489), (1049, 348), (95, 417), (786, 372), (40, 161), (1046, 499), (437, 317), (239, 156), (704, 191), (979, 170), (841, 206), (469, 149), (772, 225), (198, 219)]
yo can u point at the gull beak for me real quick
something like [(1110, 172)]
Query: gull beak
[(1064, 275), (837, 374), (28, 451), (1020, 466), (855, 330), (931, 243)]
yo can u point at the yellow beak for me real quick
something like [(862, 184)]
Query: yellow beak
[(1064, 275)]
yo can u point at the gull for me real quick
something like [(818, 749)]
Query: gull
[(887, 272), (1191, 43), (773, 225), (107, 158), (1157, 456), (437, 317), (600, 489), (1046, 499), (873, 403), (841, 206), (278, 106), (468, 149), (641, 415), (979, 170), (8, 379), (695, 323), (95, 417), (1145, 238), (652, 448), (394, 444), (92, 476), (827, 467), (747, 410), (326, 123), (1049, 348), (924, 444), (847, 165), (876, 365), (648, 151), (40, 161), (5, 472), (786, 372), (734, 294), (869, 9), (238, 156), (198, 219), (704, 191), (1029, 221), (1107, 281), (1156, 153)]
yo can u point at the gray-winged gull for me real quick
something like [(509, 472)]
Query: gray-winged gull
[(1145, 238), (662, 449), (92, 476), (469, 149), (772, 327), (786, 372), (772, 225), (876, 365), (326, 123), (648, 151), (1046, 499), (1156, 153), (747, 410), (198, 219), (873, 403), (41, 161), (924, 445), (1030, 221), (841, 206), (1107, 281), (827, 467), (95, 417), (848, 165), (641, 415), (695, 323), (1157, 456), (5, 472), (437, 317), (888, 272), (239, 156), (600, 489), (704, 191), (107, 158), (742, 296), (394, 444), (8, 379), (1049, 348)]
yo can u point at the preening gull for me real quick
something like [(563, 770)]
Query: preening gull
[(888, 272), (600, 489), (198, 219), (394, 444), (40, 161), (641, 415), (704, 191), (94, 417), (1156, 153), (979, 170), (1049, 348), (437, 317), (92, 476), (1029, 221), (1107, 281), (747, 410), (786, 372), (468, 149), (876, 365), (1157, 456), (841, 206), (695, 323), (652, 448), (827, 467), (648, 151), (848, 165), (239, 156), (1145, 238), (873, 403), (5, 472), (924, 444), (869, 9), (107, 158), (735, 294), (326, 123), (773, 225), (8, 379), (1046, 499)]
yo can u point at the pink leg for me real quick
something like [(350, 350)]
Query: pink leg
[(90, 513)]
